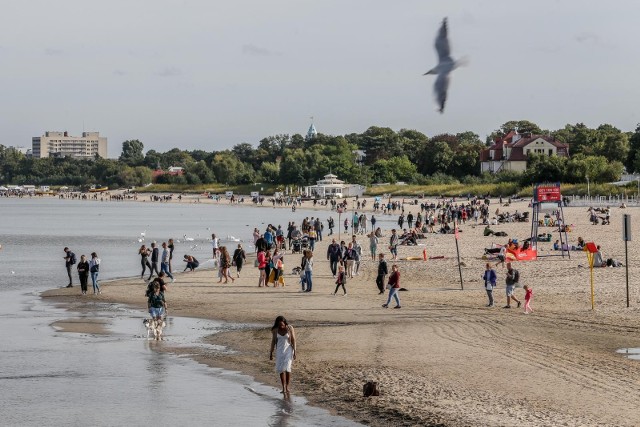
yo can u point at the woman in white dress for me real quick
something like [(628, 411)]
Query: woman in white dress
[(283, 341)]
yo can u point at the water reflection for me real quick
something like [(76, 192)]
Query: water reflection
[(630, 353)]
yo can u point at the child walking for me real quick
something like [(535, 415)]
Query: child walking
[(342, 279), (527, 299)]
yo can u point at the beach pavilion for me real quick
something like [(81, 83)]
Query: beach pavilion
[(331, 187)]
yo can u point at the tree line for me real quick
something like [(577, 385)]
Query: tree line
[(600, 154)]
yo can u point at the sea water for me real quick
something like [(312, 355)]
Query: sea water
[(51, 377)]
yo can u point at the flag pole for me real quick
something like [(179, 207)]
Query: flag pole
[(455, 226)]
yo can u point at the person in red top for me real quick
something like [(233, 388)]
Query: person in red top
[(262, 264), (528, 296), (394, 287)]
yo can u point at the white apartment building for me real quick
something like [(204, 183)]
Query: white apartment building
[(60, 144)]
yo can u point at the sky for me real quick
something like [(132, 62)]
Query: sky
[(212, 74)]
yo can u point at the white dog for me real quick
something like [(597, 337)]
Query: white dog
[(154, 327)]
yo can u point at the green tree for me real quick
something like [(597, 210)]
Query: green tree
[(379, 143), (633, 158), (523, 126), (436, 157), (132, 152), (612, 143), (228, 169)]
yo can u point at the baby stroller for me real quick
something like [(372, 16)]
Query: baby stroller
[(296, 246), (305, 242)]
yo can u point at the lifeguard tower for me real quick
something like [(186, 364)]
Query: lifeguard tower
[(547, 198)]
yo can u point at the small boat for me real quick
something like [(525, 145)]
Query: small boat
[(96, 189)]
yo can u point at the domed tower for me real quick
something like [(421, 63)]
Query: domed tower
[(312, 132)]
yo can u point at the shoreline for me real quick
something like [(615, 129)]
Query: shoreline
[(443, 359)]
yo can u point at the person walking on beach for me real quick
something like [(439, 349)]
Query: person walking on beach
[(156, 303), (357, 251), (528, 296), (262, 264), (94, 269), (155, 257), (239, 257), (512, 279), (225, 263), (308, 271), (215, 245), (83, 273), (394, 287), (341, 281), (144, 259), (69, 261), (382, 273), (283, 342), (171, 247), (373, 245), (164, 264), (334, 253), (350, 259), (393, 244), (490, 278)]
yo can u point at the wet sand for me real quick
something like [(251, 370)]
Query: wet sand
[(444, 358)]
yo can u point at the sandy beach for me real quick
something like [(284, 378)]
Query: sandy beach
[(444, 358)]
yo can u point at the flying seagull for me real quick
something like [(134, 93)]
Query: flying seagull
[(445, 66)]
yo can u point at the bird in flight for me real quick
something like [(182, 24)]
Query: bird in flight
[(445, 66)]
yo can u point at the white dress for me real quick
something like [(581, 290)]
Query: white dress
[(284, 352)]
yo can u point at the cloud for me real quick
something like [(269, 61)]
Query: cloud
[(119, 73), (253, 50), (170, 72), (53, 52)]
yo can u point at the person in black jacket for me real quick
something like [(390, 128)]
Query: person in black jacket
[(83, 273), (155, 257), (334, 255), (239, 257), (382, 273)]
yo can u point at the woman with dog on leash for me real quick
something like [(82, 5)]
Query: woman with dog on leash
[(283, 342), (156, 303)]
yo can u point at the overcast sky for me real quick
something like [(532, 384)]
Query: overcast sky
[(211, 74)]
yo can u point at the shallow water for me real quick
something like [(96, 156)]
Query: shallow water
[(49, 377), (630, 353)]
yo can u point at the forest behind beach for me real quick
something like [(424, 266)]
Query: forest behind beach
[(407, 161)]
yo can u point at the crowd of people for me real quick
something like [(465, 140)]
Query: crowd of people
[(85, 268)]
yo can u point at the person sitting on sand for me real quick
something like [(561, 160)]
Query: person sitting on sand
[(488, 231), (597, 259), (556, 245)]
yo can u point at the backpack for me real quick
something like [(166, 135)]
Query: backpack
[(516, 276), (72, 258)]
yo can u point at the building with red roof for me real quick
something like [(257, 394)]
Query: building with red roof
[(511, 151)]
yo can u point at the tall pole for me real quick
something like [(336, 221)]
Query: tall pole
[(626, 266), (626, 236), (455, 225)]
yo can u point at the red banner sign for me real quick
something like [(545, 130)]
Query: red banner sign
[(548, 193)]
